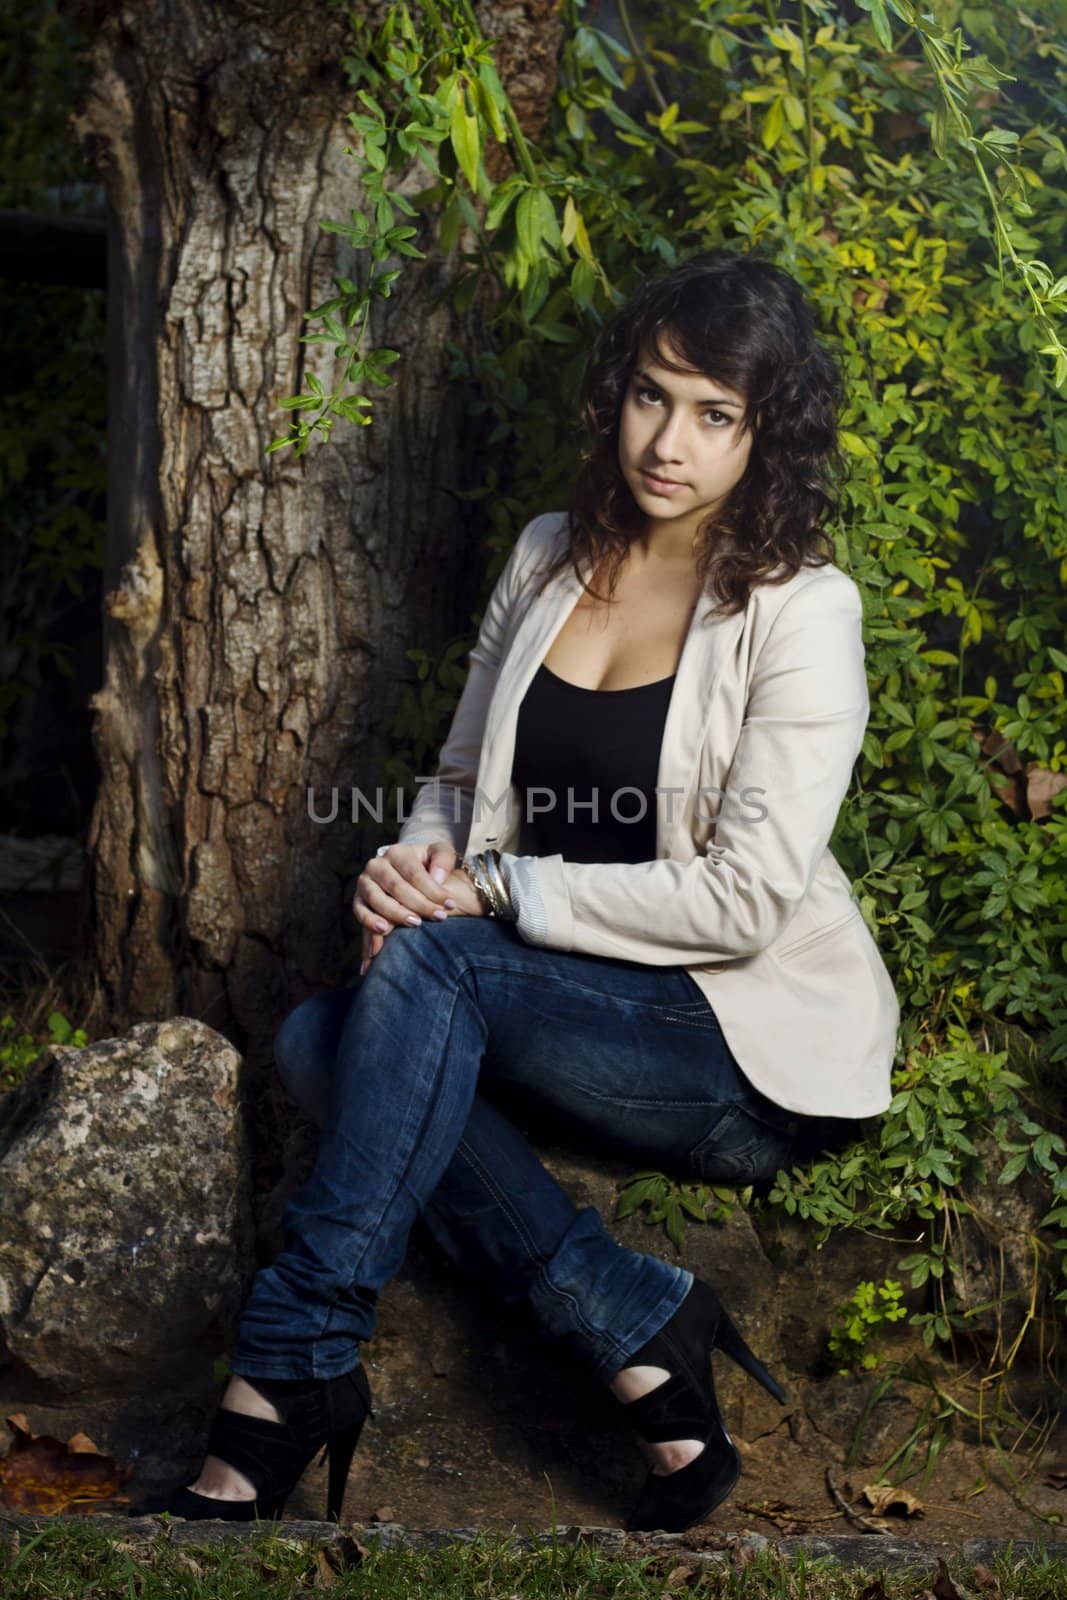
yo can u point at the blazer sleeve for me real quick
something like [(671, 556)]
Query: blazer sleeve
[(444, 806), (805, 717)]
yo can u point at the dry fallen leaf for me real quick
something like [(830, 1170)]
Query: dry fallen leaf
[(45, 1476), (875, 1590), (1042, 786), (189, 1562), (882, 1497), (677, 1579), (987, 1580), (341, 1556), (945, 1586), (1055, 1480), (383, 1514)]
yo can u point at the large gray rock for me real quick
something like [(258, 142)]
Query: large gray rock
[(127, 1243)]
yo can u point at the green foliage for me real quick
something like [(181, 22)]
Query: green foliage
[(558, 238), (858, 1322), (670, 1203), (20, 1050)]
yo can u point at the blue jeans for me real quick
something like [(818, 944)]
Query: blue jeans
[(405, 1075)]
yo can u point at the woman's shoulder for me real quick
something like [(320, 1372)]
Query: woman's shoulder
[(548, 530), (539, 543), (823, 582)]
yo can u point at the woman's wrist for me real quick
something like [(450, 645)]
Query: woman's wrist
[(483, 870)]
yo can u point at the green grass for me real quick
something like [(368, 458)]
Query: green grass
[(81, 1561)]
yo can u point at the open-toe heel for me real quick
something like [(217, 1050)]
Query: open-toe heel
[(674, 1501), (684, 1406), (316, 1413)]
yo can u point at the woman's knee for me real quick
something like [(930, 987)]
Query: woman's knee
[(438, 949)]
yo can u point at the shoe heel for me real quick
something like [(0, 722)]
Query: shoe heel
[(340, 1450), (270, 1507), (730, 1342)]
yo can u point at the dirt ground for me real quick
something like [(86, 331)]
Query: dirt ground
[(440, 1475), (559, 1457)]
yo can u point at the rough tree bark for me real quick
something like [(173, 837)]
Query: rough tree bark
[(257, 607)]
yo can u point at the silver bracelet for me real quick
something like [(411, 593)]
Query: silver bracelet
[(485, 875), (497, 901), (475, 870), (508, 912)]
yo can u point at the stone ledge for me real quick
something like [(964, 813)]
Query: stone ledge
[(848, 1550)]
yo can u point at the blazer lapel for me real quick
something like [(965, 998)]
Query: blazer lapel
[(709, 643)]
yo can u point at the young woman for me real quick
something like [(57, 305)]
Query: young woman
[(616, 902)]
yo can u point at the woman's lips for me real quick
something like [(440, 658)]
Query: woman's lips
[(660, 485)]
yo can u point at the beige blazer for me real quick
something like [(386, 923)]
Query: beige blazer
[(765, 721)]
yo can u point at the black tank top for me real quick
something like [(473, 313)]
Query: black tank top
[(600, 744)]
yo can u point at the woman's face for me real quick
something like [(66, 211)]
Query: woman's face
[(681, 446)]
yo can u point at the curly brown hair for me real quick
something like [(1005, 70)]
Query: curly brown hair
[(743, 320)]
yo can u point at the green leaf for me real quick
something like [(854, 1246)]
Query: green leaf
[(939, 129), (794, 110), (881, 23), (718, 54), (536, 223), (915, 1119), (492, 98), (577, 126), (773, 124), (1011, 1169), (692, 1206), (503, 198), (527, 225), (466, 142), (675, 1226)]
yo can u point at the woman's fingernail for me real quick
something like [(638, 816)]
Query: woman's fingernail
[(451, 904), (363, 967), (439, 874), (441, 915), (380, 926), (416, 922)]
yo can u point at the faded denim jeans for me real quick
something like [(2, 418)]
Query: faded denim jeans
[(408, 1076)]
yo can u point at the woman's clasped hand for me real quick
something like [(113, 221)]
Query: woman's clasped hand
[(409, 882)]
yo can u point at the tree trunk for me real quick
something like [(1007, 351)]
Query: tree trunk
[(257, 607)]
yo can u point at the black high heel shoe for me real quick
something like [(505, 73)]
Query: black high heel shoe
[(273, 1455), (684, 1407)]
